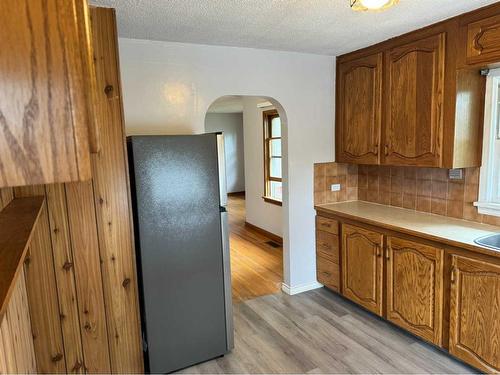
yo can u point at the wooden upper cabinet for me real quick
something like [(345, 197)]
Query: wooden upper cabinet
[(45, 110), (359, 110), (475, 313), (415, 288), (362, 264), (414, 103), (483, 41)]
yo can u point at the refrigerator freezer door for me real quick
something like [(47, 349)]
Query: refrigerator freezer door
[(227, 281), (179, 248), (222, 169)]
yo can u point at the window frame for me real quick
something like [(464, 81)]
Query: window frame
[(267, 121), (489, 187)]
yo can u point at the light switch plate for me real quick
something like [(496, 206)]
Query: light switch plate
[(335, 187)]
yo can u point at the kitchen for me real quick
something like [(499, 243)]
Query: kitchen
[(406, 192)]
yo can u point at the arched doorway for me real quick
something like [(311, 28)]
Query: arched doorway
[(254, 129)]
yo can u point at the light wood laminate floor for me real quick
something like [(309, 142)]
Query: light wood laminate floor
[(320, 332), (256, 267)]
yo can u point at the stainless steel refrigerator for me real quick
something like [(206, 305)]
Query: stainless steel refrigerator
[(180, 220)]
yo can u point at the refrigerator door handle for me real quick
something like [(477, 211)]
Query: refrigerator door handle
[(228, 300), (222, 169)]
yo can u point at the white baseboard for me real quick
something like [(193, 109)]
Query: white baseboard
[(291, 290)]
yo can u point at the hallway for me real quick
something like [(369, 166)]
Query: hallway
[(256, 266)]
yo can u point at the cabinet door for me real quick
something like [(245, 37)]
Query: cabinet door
[(483, 41), (44, 111), (362, 267), (475, 313), (415, 288), (359, 110), (414, 117)]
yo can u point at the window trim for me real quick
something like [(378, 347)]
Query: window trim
[(267, 117), (486, 203)]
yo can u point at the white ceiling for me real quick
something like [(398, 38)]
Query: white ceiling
[(327, 27)]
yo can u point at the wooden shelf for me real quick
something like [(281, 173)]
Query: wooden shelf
[(17, 222)]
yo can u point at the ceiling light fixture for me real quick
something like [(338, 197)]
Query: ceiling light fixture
[(362, 5)]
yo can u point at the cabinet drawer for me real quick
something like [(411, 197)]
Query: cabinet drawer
[(327, 245), (327, 273), (327, 225)]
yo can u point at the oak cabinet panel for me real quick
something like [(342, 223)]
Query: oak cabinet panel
[(44, 102), (483, 41), (475, 313), (327, 245), (327, 273), (362, 267), (327, 225), (415, 85), (415, 288), (359, 110)]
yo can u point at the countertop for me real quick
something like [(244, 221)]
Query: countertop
[(454, 232)]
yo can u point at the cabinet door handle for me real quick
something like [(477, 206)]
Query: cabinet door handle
[(386, 150), (387, 253), (375, 149), (453, 270), (377, 251)]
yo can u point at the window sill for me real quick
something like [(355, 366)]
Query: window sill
[(272, 201), (488, 208)]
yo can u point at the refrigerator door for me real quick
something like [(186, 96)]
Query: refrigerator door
[(227, 280), (221, 155), (179, 244)]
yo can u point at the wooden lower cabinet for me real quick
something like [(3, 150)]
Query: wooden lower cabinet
[(362, 264), (475, 313), (415, 288), (327, 253), (327, 273)]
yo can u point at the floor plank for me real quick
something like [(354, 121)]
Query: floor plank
[(256, 267), (319, 332)]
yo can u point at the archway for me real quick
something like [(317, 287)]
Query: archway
[(255, 129)]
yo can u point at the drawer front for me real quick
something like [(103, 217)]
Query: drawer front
[(328, 273), (327, 245), (483, 41), (327, 225)]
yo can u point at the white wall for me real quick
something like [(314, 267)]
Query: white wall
[(168, 87), (262, 214), (232, 126)]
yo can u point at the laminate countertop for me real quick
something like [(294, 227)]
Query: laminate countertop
[(453, 232)]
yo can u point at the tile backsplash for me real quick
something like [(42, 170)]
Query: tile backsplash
[(422, 189)]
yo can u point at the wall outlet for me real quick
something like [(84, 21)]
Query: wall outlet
[(335, 187)]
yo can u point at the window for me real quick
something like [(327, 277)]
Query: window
[(273, 184), (489, 188)]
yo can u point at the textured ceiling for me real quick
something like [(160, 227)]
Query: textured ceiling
[(327, 27)]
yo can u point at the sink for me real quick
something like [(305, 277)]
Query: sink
[(492, 241)]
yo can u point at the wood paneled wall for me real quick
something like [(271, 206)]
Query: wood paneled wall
[(80, 269), (17, 354)]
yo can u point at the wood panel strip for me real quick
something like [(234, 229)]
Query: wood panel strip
[(65, 277), (6, 196), (20, 325), (10, 364), (17, 223), (113, 208), (42, 292), (84, 242)]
